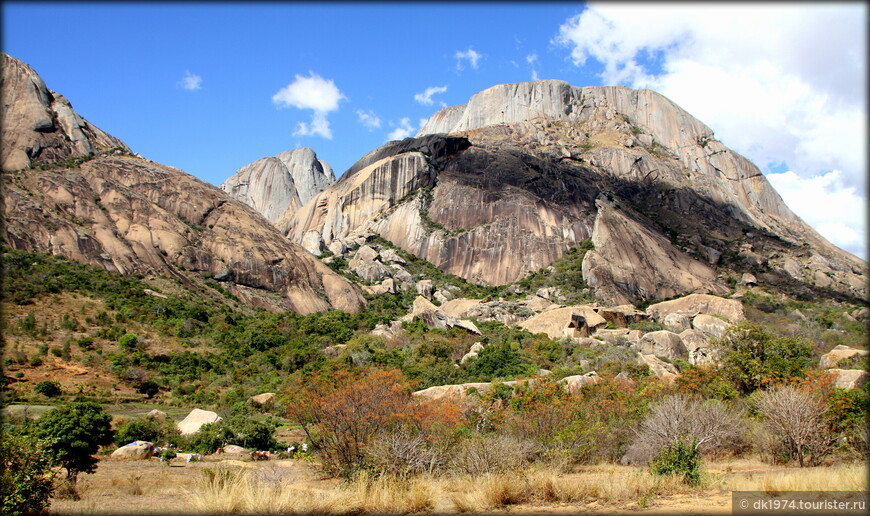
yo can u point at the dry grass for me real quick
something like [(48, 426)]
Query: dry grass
[(611, 485), (843, 477), (223, 491)]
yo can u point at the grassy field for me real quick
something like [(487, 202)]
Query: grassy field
[(286, 487)]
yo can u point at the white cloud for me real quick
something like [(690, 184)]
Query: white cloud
[(190, 81), (404, 130), (315, 93), (779, 83), (469, 55), (368, 119), (834, 209), (425, 98), (532, 60)]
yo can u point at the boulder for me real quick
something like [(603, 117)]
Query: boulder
[(157, 414), (337, 248), (442, 296), (571, 321), (707, 304), (849, 378), (197, 417), (456, 391), (677, 321), (477, 346), (367, 267), (573, 383), (710, 326), (262, 399), (748, 279), (366, 253), (137, 450), (337, 349), (698, 348), (622, 316), (391, 256), (830, 359), (617, 336), (234, 448), (658, 367), (313, 243), (663, 343), (425, 287), (466, 357), (459, 307)]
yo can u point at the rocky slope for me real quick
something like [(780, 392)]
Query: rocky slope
[(508, 182), (128, 214), (281, 184), (39, 126)]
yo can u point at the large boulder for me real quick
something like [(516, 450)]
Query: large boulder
[(262, 399), (677, 321), (832, 358), (571, 321), (659, 367), (698, 347), (849, 378), (197, 417), (663, 343), (711, 326), (730, 309), (573, 383), (137, 450)]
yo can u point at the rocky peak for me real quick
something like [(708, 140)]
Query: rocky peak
[(130, 215), (275, 185), (39, 125), (545, 165)]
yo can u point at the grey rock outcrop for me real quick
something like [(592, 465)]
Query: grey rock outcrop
[(40, 126), (711, 326), (277, 186), (832, 358), (129, 215), (663, 343), (730, 309)]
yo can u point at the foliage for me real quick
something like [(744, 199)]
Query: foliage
[(25, 477), (128, 342), (679, 458), (149, 429), (248, 431), (48, 388), (503, 360), (77, 429), (754, 357)]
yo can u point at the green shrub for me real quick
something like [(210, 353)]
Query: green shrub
[(128, 342), (25, 480), (49, 388), (679, 458)]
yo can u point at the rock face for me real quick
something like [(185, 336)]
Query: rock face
[(832, 358), (39, 125), (507, 183), (130, 215), (194, 421), (279, 185)]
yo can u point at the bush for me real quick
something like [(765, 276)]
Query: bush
[(25, 478), (797, 416), (756, 358), (48, 388), (128, 342), (679, 458), (77, 430), (149, 429)]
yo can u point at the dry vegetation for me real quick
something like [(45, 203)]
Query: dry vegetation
[(294, 487)]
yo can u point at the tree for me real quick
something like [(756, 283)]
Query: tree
[(48, 388), (677, 420), (499, 361), (25, 476), (78, 429), (128, 342), (755, 358), (797, 416), (341, 415)]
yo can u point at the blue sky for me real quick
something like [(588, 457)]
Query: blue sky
[(208, 88)]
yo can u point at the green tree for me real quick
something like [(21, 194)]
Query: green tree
[(150, 429), (25, 474), (499, 361), (755, 357), (78, 429), (49, 388), (128, 341)]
